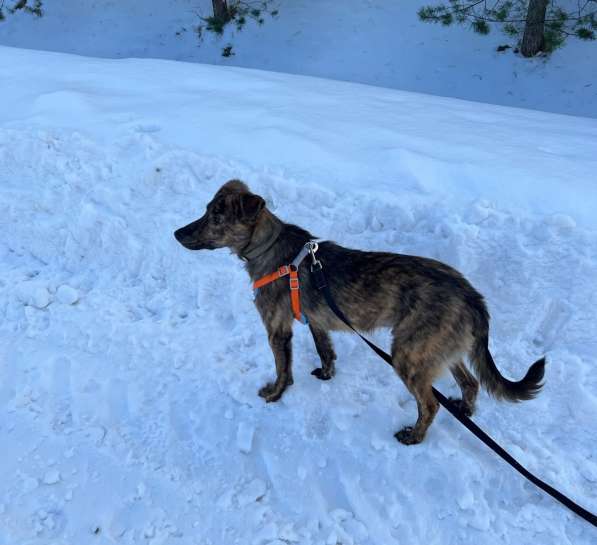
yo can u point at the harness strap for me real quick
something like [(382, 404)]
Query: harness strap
[(294, 284), (268, 279), (295, 294)]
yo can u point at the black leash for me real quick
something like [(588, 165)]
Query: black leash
[(321, 284)]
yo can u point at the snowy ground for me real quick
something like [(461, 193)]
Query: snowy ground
[(129, 367), (379, 42)]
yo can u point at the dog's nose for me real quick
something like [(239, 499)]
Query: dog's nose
[(184, 237)]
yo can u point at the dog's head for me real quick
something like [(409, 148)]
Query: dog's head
[(228, 222)]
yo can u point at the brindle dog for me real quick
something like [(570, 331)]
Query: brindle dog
[(437, 318)]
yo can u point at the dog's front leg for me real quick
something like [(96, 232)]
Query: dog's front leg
[(325, 349), (281, 345)]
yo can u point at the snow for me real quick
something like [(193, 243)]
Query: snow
[(67, 295), (244, 437), (52, 477), (378, 42), (129, 367)]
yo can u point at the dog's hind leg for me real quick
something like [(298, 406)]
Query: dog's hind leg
[(325, 349), (280, 341), (468, 385), (418, 375), (427, 406)]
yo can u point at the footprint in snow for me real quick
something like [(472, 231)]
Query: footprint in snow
[(60, 393), (147, 128)]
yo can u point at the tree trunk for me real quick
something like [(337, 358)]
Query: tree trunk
[(533, 39), (221, 10)]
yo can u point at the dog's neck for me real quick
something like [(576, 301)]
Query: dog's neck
[(266, 233)]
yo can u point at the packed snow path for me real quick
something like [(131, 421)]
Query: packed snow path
[(129, 367)]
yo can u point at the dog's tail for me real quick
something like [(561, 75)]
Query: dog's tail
[(499, 386)]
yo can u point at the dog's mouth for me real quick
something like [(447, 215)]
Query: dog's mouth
[(199, 246), (191, 245)]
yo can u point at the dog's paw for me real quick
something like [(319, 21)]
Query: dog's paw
[(271, 392), (407, 437), (321, 374), (461, 406)]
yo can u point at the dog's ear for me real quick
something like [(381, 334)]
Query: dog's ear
[(250, 206)]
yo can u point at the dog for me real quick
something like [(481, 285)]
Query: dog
[(438, 320)]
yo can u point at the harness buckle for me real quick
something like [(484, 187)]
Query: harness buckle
[(284, 270), (294, 284)]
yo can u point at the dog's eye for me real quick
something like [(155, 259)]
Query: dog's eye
[(217, 212)]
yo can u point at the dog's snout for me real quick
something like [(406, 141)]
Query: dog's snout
[(178, 235), (184, 235), (191, 236)]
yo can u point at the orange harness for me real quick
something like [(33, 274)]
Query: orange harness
[(292, 271), (295, 291)]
